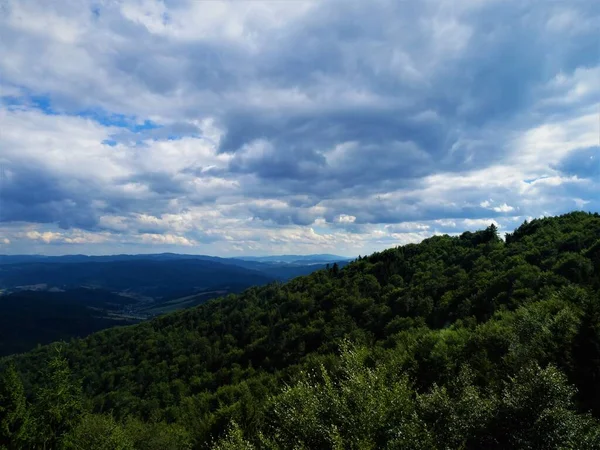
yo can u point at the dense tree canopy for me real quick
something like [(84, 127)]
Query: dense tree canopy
[(456, 342)]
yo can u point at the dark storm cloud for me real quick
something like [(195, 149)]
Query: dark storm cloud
[(32, 194)]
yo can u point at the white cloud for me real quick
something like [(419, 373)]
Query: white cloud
[(386, 123), (503, 208), (71, 237), (243, 23), (580, 202), (153, 238), (546, 144), (344, 218)]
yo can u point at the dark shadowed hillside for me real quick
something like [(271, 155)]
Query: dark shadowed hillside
[(30, 318), (60, 297), (456, 342)]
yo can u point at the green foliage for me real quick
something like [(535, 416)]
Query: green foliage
[(58, 405), (98, 432), (372, 407), (15, 422), (536, 411), (156, 435), (458, 343), (29, 318), (459, 415), (361, 408), (234, 440)]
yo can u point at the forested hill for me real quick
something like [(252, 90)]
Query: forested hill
[(456, 342)]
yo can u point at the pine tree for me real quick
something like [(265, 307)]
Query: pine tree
[(14, 414), (58, 403), (335, 269), (492, 233)]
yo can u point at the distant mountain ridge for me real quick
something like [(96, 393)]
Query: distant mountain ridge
[(162, 271), (154, 278), (17, 259)]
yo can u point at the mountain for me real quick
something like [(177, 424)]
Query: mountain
[(298, 259), (281, 267), (457, 342), (153, 278), (275, 267)]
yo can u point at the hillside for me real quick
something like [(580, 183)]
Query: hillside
[(30, 318), (48, 298), (456, 342)]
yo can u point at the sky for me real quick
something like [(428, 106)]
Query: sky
[(269, 127)]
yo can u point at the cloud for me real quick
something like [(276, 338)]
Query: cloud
[(151, 238), (584, 162), (291, 126), (504, 208), (73, 237)]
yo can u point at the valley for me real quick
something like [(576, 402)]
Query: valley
[(44, 299)]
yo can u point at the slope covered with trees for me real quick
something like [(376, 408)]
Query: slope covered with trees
[(456, 342), (31, 318), (45, 299)]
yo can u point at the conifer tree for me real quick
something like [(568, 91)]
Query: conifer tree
[(58, 403), (14, 414)]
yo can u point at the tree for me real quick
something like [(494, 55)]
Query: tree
[(58, 403), (536, 411), (14, 414), (358, 408), (157, 435), (233, 440), (97, 432), (335, 269)]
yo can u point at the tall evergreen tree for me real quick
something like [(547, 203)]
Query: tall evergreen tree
[(14, 414), (58, 403)]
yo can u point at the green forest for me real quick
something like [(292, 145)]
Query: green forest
[(459, 342)]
